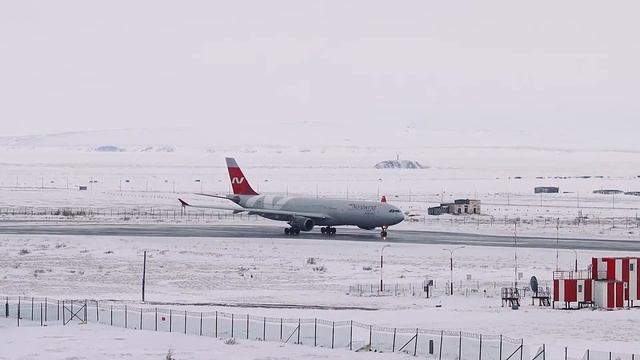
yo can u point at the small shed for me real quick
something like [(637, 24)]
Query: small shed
[(464, 206), (546, 190)]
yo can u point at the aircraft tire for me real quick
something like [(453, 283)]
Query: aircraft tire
[(287, 231), (323, 230), (333, 231)]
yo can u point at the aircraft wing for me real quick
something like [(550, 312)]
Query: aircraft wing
[(256, 211), (225, 197)]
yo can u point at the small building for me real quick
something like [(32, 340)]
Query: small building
[(573, 287), (458, 207), (464, 206), (546, 190), (609, 283), (437, 210), (82, 188), (633, 193), (608, 192)]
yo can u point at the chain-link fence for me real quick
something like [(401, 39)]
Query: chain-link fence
[(423, 289), (352, 335)]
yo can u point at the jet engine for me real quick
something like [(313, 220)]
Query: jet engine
[(302, 223), (367, 227)]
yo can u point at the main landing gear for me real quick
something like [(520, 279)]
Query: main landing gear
[(291, 231), (328, 230), (383, 233)]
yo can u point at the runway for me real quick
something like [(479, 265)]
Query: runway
[(345, 234)]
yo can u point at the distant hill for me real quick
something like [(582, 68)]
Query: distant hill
[(399, 164)]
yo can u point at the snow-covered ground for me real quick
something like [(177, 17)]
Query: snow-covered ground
[(502, 178), (96, 342), (246, 272)]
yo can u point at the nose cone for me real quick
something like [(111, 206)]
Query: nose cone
[(399, 218), (396, 217)]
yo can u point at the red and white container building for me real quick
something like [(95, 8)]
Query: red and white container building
[(611, 283)]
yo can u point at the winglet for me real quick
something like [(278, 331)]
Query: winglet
[(183, 203)]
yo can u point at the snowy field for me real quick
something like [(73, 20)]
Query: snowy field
[(99, 342), (45, 178), (274, 277), (270, 274)]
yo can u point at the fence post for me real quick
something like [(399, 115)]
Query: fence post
[(185, 321), (31, 309), (170, 319), (125, 317), (415, 345), (264, 329), (156, 326), (86, 311), (565, 353), (97, 312), (6, 307), (544, 352), (370, 336), (19, 311), (111, 323), (521, 348), (588, 354), (247, 326), (460, 347), (298, 331), (41, 318), (63, 317), (200, 323), (45, 309), (280, 329), (441, 341), (141, 319), (500, 347), (393, 347), (480, 353), (232, 325), (58, 311), (315, 332)]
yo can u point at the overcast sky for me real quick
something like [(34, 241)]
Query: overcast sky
[(354, 65)]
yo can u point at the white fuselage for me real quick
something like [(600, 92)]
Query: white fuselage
[(364, 214)]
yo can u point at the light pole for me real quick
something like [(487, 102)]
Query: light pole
[(451, 251), (515, 253), (381, 264), (558, 244), (576, 253)]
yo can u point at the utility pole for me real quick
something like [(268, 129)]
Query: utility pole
[(381, 265), (451, 251), (515, 252), (558, 244), (144, 273)]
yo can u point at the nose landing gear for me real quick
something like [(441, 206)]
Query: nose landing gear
[(383, 233)]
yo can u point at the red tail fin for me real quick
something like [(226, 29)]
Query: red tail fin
[(238, 181), (384, 199)]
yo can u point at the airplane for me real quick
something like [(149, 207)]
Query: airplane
[(304, 213)]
